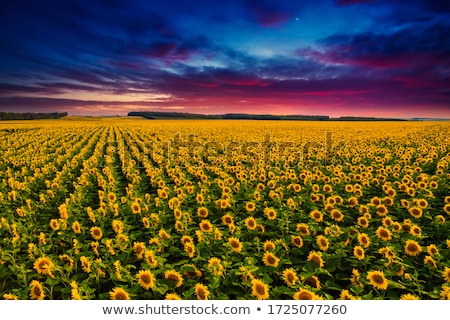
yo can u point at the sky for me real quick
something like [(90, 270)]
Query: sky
[(375, 58)]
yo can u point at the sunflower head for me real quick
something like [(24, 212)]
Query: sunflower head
[(270, 259), (44, 265), (146, 279), (376, 278), (412, 248), (290, 277), (119, 294), (260, 290), (201, 291), (174, 277), (235, 244)]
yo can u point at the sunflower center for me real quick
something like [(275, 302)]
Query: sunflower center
[(146, 278), (260, 289), (377, 278), (37, 291), (305, 296), (172, 277), (412, 247), (316, 259), (121, 296), (290, 278)]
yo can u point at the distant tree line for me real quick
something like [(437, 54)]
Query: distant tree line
[(240, 116), (31, 115), (245, 116)]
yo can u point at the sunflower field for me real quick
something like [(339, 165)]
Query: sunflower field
[(122, 208)]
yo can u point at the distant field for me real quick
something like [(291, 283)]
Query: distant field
[(127, 208)]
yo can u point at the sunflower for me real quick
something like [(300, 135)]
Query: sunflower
[(227, 219), (388, 252), (260, 290), (363, 209), (117, 226), (376, 278), (358, 252), (235, 244), (409, 296), (270, 259), (422, 203), (215, 266), (336, 215), (270, 213), (54, 224), (268, 245), (151, 259), (202, 212), (304, 294), (415, 231), (192, 272), (146, 279), (316, 215), (135, 208), (96, 233), (172, 296), (303, 228), (290, 276), (383, 234), (174, 276), (322, 242), (44, 265), (396, 227), (352, 202), (76, 227), (356, 276), (119, 294), (250, 223), (146, 222), (432, 250), (382, 210), (74, 292), (112, 197), (447, 208), (250, 206), (314, 282), (297, 241), (10, 296), (363, 222), (201, 291), (429, 261), (189, 248), (206, 226), (446, 274), (364, 240), (316, 257), (67, 260), (346, 295), (163, 234), (416, 212), (199, 198), (36, 291), (412, 248)]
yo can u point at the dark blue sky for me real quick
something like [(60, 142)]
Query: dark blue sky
[(328, 57)]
